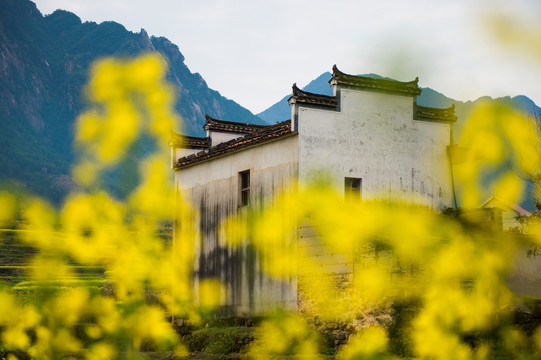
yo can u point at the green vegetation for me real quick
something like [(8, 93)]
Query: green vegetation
[(220, 341)]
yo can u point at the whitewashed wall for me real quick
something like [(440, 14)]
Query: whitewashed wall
[(374, 137), (178, 152), (213, 188), (218, 137)]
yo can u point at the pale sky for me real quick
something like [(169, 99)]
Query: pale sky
[(252, 51)]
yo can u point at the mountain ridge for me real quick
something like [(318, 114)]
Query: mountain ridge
[(44, 63)]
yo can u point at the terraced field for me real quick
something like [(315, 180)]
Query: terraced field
[(16, 256), (15, 260)]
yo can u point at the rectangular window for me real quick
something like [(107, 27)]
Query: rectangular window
[(352, 189), (244, 177)]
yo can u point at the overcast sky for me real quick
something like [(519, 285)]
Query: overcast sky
[(252, 51)]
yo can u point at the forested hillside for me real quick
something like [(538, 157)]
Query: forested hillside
[(44, 63)]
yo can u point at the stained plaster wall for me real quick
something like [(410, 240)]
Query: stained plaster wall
[(218, 137), (177, 153), (525, 275), (213, 188), (374, 137)]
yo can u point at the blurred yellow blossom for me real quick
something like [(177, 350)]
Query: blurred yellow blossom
[(370, 343), (285, 334), (501, 145), (210, 294), (130, 97), (101, 351), (394, 251)]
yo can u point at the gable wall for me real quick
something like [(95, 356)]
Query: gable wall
[(179, 152), (218, 137), (374, 137), (213, 189)]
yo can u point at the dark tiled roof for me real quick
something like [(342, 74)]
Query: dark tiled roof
[(271, 132), (435, 114), (381, 85), (178, 140), (304, 97), (230, 126)]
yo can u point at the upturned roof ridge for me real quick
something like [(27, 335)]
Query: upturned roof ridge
[(180, 140), (224, 125), (306, 97), (271, 132), (438, 114), (410, 88)]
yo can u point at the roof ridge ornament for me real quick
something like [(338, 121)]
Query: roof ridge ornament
[(335, 71), (269, 133), (231, 126), (183, 141), (409, 88), (209, 119), (304, 97), (296, 91), (437, 114)]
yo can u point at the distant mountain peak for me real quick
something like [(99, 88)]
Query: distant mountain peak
[(45, 62), (145, 39)]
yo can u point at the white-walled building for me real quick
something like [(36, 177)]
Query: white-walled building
[(509, 212), (370, 138)]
